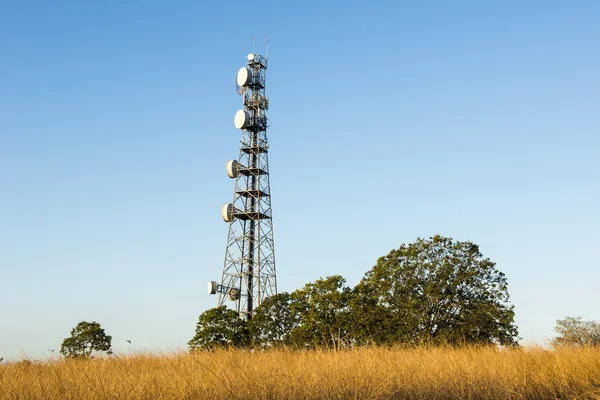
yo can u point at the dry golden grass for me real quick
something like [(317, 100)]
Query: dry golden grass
[(363, 373)]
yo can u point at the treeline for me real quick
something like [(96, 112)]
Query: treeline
[(433, 291)]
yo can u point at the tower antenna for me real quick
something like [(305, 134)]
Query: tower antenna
[(267, 49), (249, 268)]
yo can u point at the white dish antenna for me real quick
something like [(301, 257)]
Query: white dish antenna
[(250, 57), (212, 287), (233, 168), (241, 119), (227, 212), (244, 76)]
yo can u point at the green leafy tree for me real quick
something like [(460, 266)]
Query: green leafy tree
[(376, 321), (273, 321), (323, 310), (86, 338), (219, 327), (576, 332), (434, 291)]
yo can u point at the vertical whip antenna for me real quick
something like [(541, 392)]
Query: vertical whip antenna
[(254, 44), (267, 50)]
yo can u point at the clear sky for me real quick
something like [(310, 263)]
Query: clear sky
[(389, 121)]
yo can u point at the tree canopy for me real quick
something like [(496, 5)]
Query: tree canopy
[(323, 313), (272, 322), (574, 331), (219, 327), (86, 338), (433, 291)]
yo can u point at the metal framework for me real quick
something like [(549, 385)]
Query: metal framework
[(249, 267)]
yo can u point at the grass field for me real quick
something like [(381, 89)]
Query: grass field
[(529, 373)]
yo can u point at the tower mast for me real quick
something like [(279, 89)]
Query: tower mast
[(249, 267)]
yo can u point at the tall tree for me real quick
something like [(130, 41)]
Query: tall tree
[(576, 332), (219, 327), (86, 338), (434, 291)]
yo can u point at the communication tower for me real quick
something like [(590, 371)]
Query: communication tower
[(249, 268)]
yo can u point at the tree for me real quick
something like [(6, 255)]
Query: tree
[(86, 338), (576, 332), (219, 327), (375, 321), (434, 291), (323, 310), (273, 321)]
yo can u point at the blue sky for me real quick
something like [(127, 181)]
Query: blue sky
[(389, 121)]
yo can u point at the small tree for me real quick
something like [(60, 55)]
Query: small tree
[(86, 338), (576, 332), (219, 327)]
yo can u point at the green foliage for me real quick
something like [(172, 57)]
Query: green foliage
[(434, 291), (576, 332), (86, 338), (219, 327), (323, 310), (375, 321), (273, 321)]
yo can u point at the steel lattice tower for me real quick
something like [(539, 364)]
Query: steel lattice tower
[(249, 268)]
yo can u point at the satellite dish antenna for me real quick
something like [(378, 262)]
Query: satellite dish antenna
[(212, 287), (233, 168), (233, 294), (244, 76), (227, 212), (241, 119)]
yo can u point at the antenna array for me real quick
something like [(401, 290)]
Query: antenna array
[(249, 267)]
